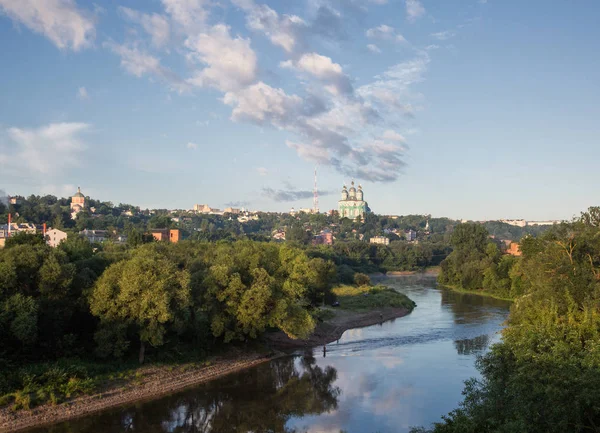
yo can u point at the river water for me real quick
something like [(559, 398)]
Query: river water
[(383, 378)]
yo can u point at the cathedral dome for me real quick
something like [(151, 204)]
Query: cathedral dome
[(359, 193), (352, 191), (78, 193), (344, 193)]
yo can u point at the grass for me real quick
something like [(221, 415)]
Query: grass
[(476, 292), (368, 297)]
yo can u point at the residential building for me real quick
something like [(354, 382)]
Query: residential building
[(167, 235), (323, 238), (410, 235), (279, 235), (514, 249), (54, 237), (380, 240), (77, 203), (352, 204), (95, 236), (231, 210)]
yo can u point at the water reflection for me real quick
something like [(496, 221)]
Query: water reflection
[(260, 400), (470, 346)]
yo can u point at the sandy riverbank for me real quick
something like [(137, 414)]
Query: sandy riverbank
[(153, 382), (332, 330)]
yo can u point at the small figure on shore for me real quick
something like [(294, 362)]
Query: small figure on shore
[(324, 351), (381, 316)]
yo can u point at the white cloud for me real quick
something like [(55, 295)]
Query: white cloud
[(443, 36), (61, 21), (140, 63), (262, 104), (262, 171), (231, 63), (285, 31), (323, 68), (385, 32), (189, 15), (414, 10), (82, 93), (192, 146), (374, 48), (154, 24), (46, 150), (393, 136)]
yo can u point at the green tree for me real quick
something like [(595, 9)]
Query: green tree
[(146, 292)]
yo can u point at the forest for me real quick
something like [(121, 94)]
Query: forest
[(544, 376)]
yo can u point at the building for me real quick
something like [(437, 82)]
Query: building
[(232, 210), (279, 235), (323, 238), (380, 240), (410, 235), (54, 237), (167, 235), (516, 223), (542, 223), (77, 203), (514, 249), (202, 208), (94, 236), (352, 204)]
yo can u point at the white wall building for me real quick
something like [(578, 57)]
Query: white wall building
[(54, 237), (380, 240)]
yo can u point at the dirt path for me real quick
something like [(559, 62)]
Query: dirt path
[(154, 382), (332, 330)]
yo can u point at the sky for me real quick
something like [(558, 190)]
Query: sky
[(474, 109)]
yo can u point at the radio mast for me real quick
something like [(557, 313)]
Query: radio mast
[(316, 195)]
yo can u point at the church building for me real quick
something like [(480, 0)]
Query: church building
[(352, 204), (77, 203)]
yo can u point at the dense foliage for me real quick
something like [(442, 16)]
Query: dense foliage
[(476, 263), (545, 375)]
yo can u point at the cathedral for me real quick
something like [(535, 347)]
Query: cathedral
[(352, 204)]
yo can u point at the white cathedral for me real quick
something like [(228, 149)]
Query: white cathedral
[(352, 204)]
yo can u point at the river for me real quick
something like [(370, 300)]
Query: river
[(383, 378)]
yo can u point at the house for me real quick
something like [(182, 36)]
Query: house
[(94, 236), (323, 238), (279, 235), (167, 235), (410, 235), (380, 240), (514, 249), (54, 237)]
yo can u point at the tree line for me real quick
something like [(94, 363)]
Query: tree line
[(544, 376)]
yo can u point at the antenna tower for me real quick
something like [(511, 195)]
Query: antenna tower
[(316, 195)]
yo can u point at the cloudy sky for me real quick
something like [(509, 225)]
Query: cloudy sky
[(465, 108)]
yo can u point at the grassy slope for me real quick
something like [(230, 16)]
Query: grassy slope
[(366, 298)]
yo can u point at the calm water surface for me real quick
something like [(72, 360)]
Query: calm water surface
[(383, 378)]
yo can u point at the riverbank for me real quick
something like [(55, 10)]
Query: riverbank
[(150, 382), (475, 292), (432, 270), (153, 381), (332, 329)]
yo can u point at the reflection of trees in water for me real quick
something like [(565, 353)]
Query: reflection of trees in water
[(471, 308), (258, 400), (470, 346)]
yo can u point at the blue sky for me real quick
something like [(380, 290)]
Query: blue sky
[(468, 109)]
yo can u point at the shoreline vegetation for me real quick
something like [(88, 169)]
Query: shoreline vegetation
[(359, 307)]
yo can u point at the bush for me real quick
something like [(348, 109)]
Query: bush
[(361, 279)]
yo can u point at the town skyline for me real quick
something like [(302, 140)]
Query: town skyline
[(428, 105)]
